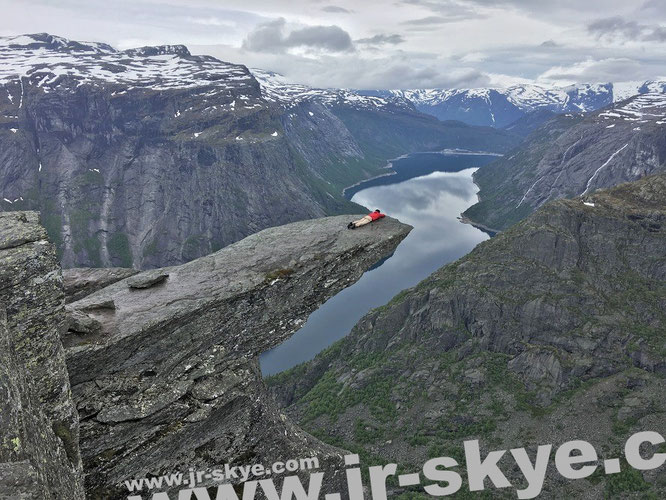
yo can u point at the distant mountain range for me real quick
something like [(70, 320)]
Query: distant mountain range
[(502, 107)]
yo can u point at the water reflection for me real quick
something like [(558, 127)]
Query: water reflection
[(431, 203)]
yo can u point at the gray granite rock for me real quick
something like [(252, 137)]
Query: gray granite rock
[(39, 426), (170, 380), (82, 281)]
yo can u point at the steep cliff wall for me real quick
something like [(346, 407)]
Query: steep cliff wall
[(39, 425), (573, 155)]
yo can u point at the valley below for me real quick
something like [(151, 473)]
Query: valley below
[(427, 191)]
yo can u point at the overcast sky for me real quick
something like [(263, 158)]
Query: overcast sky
[(380, 44)]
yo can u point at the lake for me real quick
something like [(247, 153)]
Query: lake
[(428, 191)]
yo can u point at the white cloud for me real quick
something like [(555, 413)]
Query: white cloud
[(591, 70), (414, 43), (210, 21)]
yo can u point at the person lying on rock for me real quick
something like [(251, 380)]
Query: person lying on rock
[(372, 216)]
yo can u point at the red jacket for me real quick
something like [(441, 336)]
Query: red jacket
[(376, 215)]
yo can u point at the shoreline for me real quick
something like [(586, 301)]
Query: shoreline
[(387, 174), (464, 152), (482, 227), (445, 152), (389, 165)]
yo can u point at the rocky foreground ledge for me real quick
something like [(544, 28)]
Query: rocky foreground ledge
[(39, 425), (164, 363)]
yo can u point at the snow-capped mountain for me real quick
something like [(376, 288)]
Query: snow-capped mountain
[(276, 88), (649, 108), (574, 154), (51, 62), (625, 90), (50, 59), (501, 107)]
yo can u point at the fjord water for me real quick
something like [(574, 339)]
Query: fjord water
[(440, 188)]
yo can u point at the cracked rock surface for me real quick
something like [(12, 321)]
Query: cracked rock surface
[(39, 425), (169, 379)]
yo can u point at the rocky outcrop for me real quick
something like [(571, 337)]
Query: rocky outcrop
[(573, 155), (80, 282), (39, 426), (164, 370), (551, 331)]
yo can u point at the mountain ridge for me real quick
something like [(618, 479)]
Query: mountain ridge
[(501, 106), (573, 155), (153, 157)]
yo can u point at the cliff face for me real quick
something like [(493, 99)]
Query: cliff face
[(551, 331), (573, 155), (154, 157), (39, 425), (164, 364)]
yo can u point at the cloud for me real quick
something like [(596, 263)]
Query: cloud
[(473, 57), (336, 10), (619, 28), (387, 70), (331, 38), (210, 21), (267, 37), (405, 75), (444, 42), (591, 70), (452, 10), (426, 20), (270, 37), (382, 40)]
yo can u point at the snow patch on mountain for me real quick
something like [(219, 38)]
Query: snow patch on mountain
[(526, 97), (643, 108), (625, 90), (276, 88), (47, 60)]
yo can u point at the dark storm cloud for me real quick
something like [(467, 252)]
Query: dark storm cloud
[(336, 10), (382, 40), (270, 37), (617, 27)]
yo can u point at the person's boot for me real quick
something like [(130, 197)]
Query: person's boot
[(350, 225)]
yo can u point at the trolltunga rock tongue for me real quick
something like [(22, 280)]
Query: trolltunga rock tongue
[(169, 378)]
